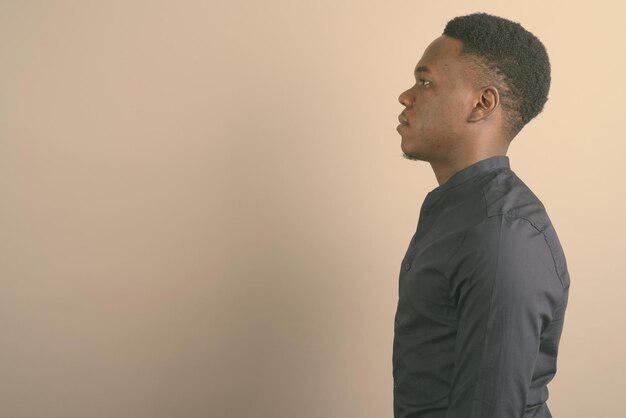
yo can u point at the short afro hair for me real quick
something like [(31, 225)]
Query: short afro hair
[(512, 57)]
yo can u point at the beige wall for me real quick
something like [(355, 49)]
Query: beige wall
[(204, 204)]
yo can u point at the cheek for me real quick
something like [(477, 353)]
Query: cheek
[(452, 102), (425, 116), (461, 103), (452, 116)]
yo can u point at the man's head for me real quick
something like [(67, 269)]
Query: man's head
[(482, 80)]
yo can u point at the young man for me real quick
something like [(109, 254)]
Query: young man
[(484, 283)]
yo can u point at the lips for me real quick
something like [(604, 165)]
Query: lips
[(402, 120)]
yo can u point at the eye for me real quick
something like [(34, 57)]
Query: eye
[(423, 82)]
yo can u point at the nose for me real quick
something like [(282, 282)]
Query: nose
[(405, 98)]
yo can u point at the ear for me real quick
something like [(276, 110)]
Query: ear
[(486, 102)]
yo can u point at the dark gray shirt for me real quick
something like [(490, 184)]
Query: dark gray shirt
[(482, 296)]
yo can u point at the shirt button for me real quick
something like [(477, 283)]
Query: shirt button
[(407, 267)]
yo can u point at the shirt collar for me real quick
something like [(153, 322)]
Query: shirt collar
[(467, 173)]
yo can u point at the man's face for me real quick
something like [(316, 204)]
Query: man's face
[(434, 121)]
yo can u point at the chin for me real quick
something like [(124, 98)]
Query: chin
[(411, 154)]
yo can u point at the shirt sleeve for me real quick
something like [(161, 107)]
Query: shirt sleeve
[(506, 288)]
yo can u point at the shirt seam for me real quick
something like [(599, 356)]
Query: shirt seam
[(510, 216)]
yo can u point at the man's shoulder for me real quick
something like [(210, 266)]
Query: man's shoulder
[(506, 195), (511, 204)]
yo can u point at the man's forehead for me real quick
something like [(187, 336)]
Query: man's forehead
[(439, 55)]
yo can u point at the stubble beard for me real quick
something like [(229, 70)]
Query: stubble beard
[(412, 157)]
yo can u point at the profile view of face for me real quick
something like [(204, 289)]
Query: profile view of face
[(438, 104)]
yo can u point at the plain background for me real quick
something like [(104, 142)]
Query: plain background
[(204, 204)]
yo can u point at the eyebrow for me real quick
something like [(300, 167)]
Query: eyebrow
[(421, 69)]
